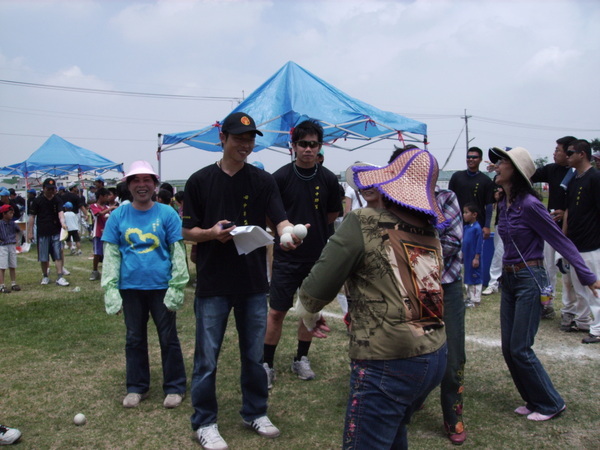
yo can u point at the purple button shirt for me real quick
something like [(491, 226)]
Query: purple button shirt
[(528, 224)]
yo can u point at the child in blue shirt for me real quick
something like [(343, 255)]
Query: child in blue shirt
[(471, 248)]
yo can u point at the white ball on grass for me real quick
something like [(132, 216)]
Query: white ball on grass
[(79, 419)]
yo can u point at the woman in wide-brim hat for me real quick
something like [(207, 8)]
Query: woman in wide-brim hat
[(144, 274), (524, 224), (391, 259)]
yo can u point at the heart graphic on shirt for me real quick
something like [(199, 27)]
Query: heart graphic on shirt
[(143, 237)]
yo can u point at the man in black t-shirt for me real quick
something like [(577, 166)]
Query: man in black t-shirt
[(471, 185), (216, 199), (310, 194), (553, 174), (582, 223), (48, 215)]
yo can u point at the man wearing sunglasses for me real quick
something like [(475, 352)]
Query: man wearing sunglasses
[(471, 185), (311, 195), (553, 174), (581, 224)]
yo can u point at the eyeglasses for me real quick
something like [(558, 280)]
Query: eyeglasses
[(311, 144), (571, 152), (472, 157)]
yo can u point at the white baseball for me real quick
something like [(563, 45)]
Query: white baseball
[(288, 229), (79, 419), (286, 239), (300, 231)]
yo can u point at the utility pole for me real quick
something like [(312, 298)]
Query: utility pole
[(466, 129)]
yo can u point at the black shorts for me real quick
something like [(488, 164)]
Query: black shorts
[(75, 235), (285, 281)]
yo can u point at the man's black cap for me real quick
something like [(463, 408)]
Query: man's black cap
[(49, 182), (239, 123)]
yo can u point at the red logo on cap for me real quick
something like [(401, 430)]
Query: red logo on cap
[(245, 121)]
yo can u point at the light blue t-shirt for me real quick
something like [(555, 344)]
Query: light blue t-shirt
[(144, 238)]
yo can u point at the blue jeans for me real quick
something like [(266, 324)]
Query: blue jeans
[(453, 382), (137, 307), (384, 395), (212, 313), (520, 312)]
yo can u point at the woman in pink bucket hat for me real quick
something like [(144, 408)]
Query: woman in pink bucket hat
[(145, 272), (391, 261)]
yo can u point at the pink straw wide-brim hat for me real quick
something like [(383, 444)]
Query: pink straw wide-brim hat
[(409, 181), (140, 168)]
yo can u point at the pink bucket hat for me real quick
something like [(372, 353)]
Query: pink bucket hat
[(409, 181), (140, 168)]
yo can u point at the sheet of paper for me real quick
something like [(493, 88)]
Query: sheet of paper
[(249, 238)]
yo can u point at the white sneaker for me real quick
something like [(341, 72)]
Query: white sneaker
[(173, 400), (302, 369), (489, 290), (133, 399), (210, 438), (65, 271), (45, 280), (62, 282), (8, 435), (95, 275), (263, 426), (271, 377)]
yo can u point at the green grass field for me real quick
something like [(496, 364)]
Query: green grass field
[(61, 354)]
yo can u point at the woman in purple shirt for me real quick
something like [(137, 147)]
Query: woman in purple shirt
[(524, 224)]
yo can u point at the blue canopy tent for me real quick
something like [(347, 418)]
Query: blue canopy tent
[(293, 95), (58, 157)]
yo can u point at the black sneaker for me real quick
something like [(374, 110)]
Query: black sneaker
[(548, 312), (591, 339)]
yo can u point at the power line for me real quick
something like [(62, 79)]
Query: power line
[(121, 93)]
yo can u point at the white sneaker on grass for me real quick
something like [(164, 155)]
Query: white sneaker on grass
[(62, 282), (173, 400), (65, 271), (95, 275), (263, 426), (302, 369), (489, 290), (8, 435), (133, 399), (210, 438), (45, 280)]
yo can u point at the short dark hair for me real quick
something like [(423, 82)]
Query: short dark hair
[(565, 141), (179, 196), (165, 196), (472, 207), (583, 146), (476, 150), (307, 127), (399, 150), (123, 192), (168, 187), (131, 177), (102, 191)]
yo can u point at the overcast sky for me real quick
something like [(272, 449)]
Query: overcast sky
[(526, 71)]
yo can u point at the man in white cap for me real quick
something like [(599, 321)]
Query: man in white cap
[(218, 197)]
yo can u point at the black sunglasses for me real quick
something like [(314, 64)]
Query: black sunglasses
[(311, 144), (570, 152)]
